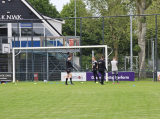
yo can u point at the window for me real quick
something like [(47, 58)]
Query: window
[(25, 29), (38, 25), (26, 32), (3, 32), (38, 31), (14, 32), (14, 25), (3, 25)]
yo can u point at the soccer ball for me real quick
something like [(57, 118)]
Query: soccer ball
[(45, 81)]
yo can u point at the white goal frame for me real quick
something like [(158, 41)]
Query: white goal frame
[(58, 47)]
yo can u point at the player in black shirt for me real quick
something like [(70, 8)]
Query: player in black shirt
[(68, 69), (101, 68), (94, 68)]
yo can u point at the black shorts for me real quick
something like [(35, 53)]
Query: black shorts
[(68, 71), (93, 70), (114, 72)]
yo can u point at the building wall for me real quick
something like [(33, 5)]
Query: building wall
[(17, 10), (57, 25)]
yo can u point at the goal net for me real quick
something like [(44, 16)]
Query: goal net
[(47, 63)]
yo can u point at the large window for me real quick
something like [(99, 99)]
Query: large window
[(3, 30), (3, 25), (36, 32), (14, 32), (26, 32), (25, 29)]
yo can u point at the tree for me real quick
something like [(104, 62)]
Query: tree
[(153, 9), (45, 7), (116, 29), (68, 11), (90, 27), (142, 6)]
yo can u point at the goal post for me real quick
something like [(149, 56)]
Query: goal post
[(58, 47)]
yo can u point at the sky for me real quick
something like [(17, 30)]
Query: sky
[(59, 3)]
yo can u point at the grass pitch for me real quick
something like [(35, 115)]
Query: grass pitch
[(128, 100)]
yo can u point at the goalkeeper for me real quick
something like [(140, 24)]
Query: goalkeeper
[(68, 69), (94, 69)]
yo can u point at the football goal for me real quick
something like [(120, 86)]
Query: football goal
[(47, 63)]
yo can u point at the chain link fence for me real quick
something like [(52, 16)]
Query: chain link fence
[(113, 31)]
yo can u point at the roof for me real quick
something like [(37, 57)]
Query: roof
[(52, 17), (40, 16)]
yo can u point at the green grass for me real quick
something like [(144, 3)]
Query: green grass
[(87, 100)]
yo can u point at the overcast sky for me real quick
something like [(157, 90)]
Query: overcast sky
[(59, 3)]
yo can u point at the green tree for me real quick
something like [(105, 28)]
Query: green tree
[(68, 11), (150, 20), (90, 27), (116, 29), (45, 7), (142, 6)]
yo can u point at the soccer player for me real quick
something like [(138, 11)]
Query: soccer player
[(94, 68), (102, 68), (68, 68), (114, 69)]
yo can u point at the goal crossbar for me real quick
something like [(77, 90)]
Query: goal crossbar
[(59, 47)]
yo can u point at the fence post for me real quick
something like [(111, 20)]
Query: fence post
[(131, 48), (81, 42), (32, 52), (47, 67), (138, 74), (14, 41), (32, 34), (18, 50), (153, 60), (27, 62), (103, 35), (124, 63), (156, 49)]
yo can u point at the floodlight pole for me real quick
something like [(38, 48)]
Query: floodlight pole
[(131, 48)]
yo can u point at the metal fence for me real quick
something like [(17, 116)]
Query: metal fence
[(113, 31)]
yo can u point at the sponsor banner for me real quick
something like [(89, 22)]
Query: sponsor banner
[(90, 76), (122, 76), (7, 77), (76, 76), (158, 76)]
